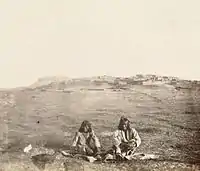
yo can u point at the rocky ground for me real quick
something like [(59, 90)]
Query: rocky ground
[(166, 118)]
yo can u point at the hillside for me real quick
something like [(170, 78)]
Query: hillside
[(62, 83), (50, 111)]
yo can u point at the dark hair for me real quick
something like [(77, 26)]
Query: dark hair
[(123, 119), (84, 124)]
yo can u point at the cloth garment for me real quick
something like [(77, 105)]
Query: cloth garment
[(87, 143), (125, 141)]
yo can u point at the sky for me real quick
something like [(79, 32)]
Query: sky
[(77, 38)]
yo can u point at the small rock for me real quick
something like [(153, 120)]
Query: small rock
[(28, 148)]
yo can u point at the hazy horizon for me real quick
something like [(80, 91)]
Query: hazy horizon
[(75, 77), (91, 38)]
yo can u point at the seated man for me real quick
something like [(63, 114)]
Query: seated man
[(126, 139), (86, 142)]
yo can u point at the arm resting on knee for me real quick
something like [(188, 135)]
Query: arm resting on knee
[(117, 141), (136, 138)]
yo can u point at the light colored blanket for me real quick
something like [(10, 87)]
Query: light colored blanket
[(88, 158), (109, 157), (139, 156)]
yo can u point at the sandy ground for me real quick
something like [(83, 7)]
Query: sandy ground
[(168, 121)]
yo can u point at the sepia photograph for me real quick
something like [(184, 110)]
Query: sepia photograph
[(99, 85)]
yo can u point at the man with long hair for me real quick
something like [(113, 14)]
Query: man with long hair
[(125, 139), (86, 142)]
